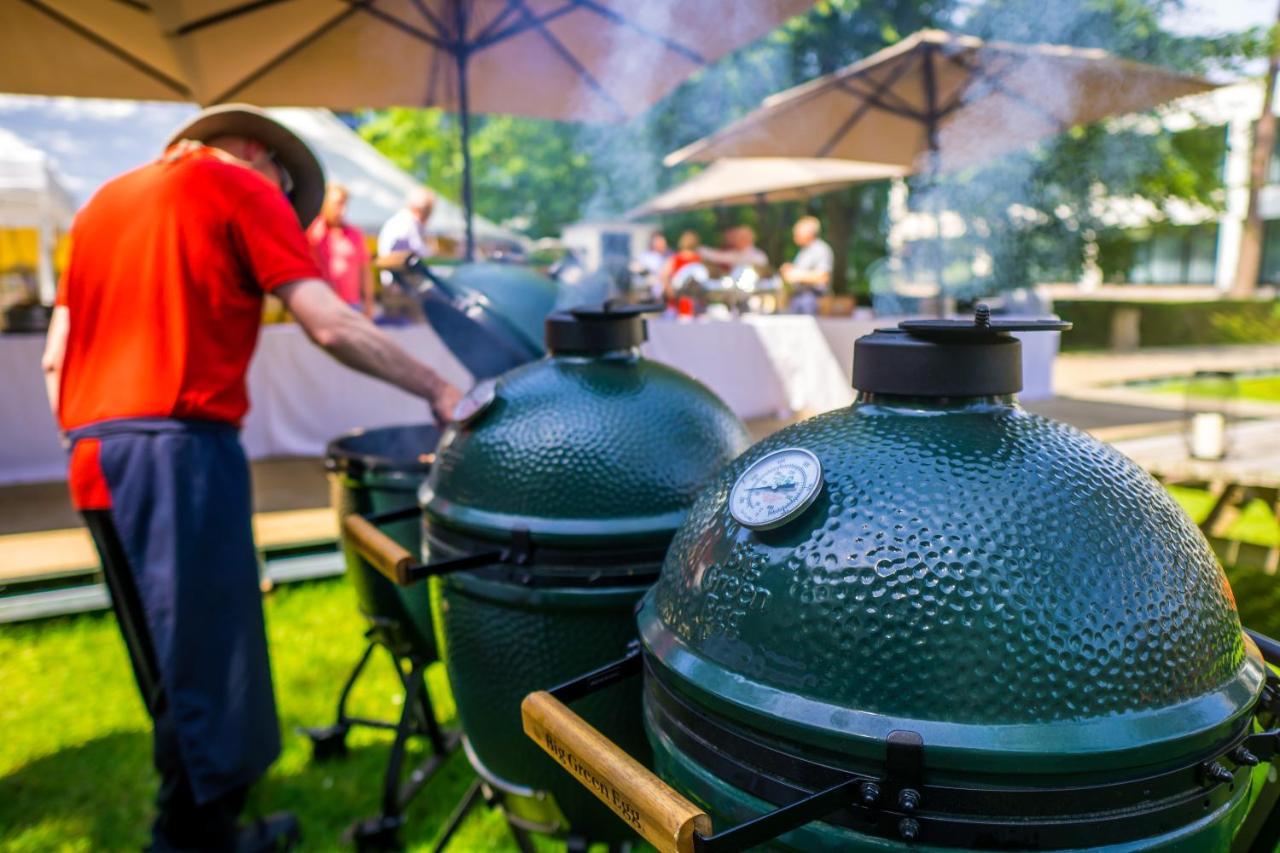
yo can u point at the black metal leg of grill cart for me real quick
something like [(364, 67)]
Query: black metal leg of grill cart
[(468, 802), (331, 741)]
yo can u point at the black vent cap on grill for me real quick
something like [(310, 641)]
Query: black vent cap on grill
[(598, 328), (946, 358)]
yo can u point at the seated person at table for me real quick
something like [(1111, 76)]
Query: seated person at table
[(687, 248), (652, 262), (809, 275)]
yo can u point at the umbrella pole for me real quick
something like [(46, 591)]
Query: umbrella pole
[(464, 115), (932, 169)]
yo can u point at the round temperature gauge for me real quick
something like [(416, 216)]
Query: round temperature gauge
[(776, 488)]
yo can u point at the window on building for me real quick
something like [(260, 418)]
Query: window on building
[(1184, 254), (1270, 271)]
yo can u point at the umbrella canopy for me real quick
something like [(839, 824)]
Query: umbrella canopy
[(752, 180), (937, 100), (89, 50), (554, 59), (586, 60)]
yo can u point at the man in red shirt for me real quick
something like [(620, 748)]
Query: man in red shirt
[(158, 315), (341, 252)]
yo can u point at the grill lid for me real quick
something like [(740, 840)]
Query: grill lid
[(593, 445), (1006, 586)]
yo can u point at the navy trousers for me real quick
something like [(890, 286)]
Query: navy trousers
[(177, 549)]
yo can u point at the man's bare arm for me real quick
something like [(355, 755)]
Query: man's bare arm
[(55, 350), (354, 340)]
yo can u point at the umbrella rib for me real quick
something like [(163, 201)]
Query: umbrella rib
[(856, 116), (902, 108), (958, 99), (623, 21), (111, 48), (423, 9), (572, 61), (277, 60), (531, 21), (498, 20), (224, 15), (1020, 100), (368, 8)]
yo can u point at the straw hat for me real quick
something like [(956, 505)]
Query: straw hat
[(291, 152)]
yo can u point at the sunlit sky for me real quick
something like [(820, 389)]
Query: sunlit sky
[(1203, 17)]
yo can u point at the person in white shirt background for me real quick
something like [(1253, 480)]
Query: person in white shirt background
[(404, 234)]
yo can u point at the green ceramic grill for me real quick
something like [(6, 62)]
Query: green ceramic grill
[(546, 515), (935, 621)]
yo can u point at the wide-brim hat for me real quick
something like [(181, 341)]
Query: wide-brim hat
[(291, 152)]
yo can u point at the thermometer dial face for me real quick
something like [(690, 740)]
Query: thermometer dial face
[(478, 399), (776, 488)]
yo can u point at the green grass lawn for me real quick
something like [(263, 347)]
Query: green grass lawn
[(75, 770), (1266, 388)]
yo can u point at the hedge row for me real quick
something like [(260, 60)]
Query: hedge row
[(1172, 324)]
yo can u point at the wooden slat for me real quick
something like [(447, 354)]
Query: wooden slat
[(49, 554)]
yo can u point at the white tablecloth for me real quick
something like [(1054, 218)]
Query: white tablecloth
[(761, 367), (300, 398)]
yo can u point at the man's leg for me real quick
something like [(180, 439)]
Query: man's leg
[(181, 822)]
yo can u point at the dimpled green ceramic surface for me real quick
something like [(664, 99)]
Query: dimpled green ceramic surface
[(1028, 600), (591, 455), (576, 449)]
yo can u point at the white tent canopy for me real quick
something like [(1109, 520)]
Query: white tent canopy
[(88, 141), (32, 197)]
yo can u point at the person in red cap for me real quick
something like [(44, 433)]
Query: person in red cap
[(157, 316)]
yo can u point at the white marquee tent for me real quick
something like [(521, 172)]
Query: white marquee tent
[(32, 197), (89, 140)]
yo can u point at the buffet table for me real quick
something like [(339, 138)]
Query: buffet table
[(761, 366)]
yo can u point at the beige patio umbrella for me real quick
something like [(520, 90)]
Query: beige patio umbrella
[(581, 60), (758, 180), (938, 100), (572, 60), (87, 49)]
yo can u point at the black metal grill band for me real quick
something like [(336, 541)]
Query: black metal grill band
[(536, 565), (976, 818)]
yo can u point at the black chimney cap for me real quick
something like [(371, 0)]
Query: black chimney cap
[(594, 329), (946, 358)]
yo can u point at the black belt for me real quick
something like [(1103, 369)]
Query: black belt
[(1039, 818)]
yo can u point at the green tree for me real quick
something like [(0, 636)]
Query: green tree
[(527, 172), (1033, 211)]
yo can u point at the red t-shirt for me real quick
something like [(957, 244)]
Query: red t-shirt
[(168, 267), (343, 257)]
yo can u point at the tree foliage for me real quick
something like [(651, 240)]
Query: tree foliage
[(541, 175)]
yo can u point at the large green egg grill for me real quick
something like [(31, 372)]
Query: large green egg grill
[(586, 461), (1007, 628)]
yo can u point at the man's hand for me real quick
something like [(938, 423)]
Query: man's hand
[(445, 401), (352, 339), (785, 272)]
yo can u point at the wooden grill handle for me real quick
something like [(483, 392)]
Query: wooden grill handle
[(648, 805), (383, 553)]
